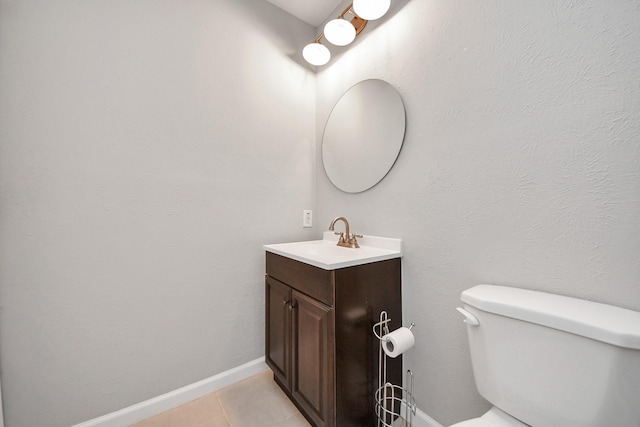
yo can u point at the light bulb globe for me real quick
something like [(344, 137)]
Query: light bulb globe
[(339, 32), (371, 9), (316, 54)]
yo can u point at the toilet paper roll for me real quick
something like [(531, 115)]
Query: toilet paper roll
[(397, 342)]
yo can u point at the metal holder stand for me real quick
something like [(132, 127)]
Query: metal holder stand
[(395, 405)]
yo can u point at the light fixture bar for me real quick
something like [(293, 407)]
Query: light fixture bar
[(357, 22)]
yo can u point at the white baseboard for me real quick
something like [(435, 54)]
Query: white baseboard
[(423, 420), (1, 413), (156, 405), (420, 419)]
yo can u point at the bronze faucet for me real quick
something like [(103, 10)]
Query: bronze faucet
[(350, 240)]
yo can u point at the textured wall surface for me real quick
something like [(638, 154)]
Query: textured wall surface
[(521, 163), (147, 152)]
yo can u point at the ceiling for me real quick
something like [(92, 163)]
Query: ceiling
[(313, 12)]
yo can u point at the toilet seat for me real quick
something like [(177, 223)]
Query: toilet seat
[(494, 417)]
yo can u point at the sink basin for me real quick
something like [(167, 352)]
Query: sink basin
[(326, 255)]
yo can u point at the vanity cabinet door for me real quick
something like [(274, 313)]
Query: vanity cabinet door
[(312, 384), (279, 308)]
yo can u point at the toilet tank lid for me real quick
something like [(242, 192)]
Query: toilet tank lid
[(602, 322)]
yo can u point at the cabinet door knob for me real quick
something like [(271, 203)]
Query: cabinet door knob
[(292, 306)]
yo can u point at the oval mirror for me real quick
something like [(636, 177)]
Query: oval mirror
[(363, 135)]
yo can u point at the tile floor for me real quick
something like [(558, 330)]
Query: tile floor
[(254, 402)]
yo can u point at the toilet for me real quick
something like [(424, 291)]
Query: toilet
[(547, 360)]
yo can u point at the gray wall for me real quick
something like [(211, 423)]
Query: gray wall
[(521, 163), (147, 152)]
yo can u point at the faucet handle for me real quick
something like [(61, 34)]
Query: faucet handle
[(341, 234), (353, 241)]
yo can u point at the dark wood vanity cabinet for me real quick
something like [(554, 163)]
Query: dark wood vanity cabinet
[(319, 339), (299, 347)]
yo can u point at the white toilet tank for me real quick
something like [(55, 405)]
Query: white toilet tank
[(555, 361)]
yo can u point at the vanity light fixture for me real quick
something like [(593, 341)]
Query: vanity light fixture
[(316, 53), (371, 9), (339, 31)]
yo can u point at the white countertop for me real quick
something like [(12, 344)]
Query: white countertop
[(327, 255)]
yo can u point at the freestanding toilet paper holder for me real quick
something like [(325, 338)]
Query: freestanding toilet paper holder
[(392, 401)]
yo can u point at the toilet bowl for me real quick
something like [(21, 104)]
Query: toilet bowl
[(492, 418)]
